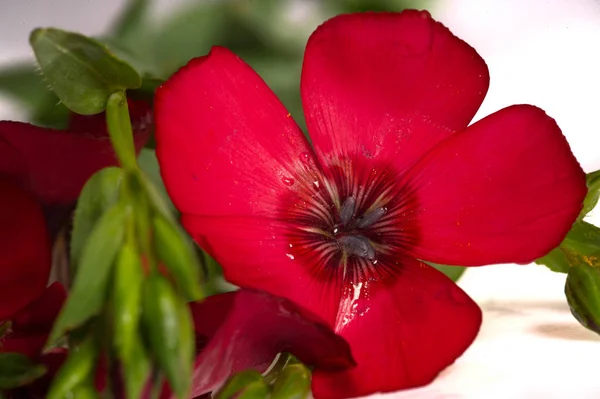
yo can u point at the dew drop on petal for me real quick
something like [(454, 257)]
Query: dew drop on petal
[(288, 181), (304, 157)]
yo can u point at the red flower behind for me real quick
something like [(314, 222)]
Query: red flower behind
[(24, 248), (395, 177), (53, 164)]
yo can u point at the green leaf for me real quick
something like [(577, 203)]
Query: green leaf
[(17, 370), (293, 382), (240, 382), (99, 193), (591, 199), (556, 261), (176, 251), (581, 246), (453, 272), (80, 70), (93, 272), (583, 295)]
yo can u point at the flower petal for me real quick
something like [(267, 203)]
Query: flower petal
[(225, 143), (25, 248), (247, 329), (506, 190), (255, 253), (54, 165), (403, 331), (388, 86)]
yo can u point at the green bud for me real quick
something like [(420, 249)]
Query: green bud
[(161, 317), (127, 294), (137, 368), (249, 381), (583, 295), (293, 382), (77, 369), (177, 253)]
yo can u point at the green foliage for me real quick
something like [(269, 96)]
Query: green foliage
[(246, 384), (18, 370), (81, 71), (293, 382), (93, 271), (99, 194)]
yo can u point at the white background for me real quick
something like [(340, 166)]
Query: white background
[(545, 53)]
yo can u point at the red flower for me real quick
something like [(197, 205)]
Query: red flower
[(395, 177), (28, 334), (25, 249), (247, 329), (53, 165)]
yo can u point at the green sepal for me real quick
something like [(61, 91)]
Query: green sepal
[(452, 272), (241, 381)]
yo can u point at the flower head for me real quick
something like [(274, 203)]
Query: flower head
[(395, 178)]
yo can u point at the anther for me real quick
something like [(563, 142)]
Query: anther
[(347, 210), (371, 217), (357, 245)]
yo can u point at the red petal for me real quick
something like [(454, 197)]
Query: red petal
[(388, 86), (225, 143), (39, 315), (255, 253), (402, 332), (25, 248), (505, 190), (247, 329), (32, 325), (54, 165)]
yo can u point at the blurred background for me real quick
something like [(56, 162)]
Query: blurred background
[(542, 52)]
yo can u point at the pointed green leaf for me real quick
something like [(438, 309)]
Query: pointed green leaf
[(80, 70), (137, 368), (99, 193), (293, 382), (17, 370), (93, 272), (583, 295), (149, 164)]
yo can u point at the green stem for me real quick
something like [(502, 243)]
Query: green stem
[(120, 131)]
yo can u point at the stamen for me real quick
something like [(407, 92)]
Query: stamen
[(357, 245), (371, 217), (347, 210)]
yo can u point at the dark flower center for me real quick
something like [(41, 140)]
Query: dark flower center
[(348, 232), (347, 223)]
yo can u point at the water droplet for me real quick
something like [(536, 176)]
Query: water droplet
[(290, 256), (288, 181), (304, 157), (316, 183)]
